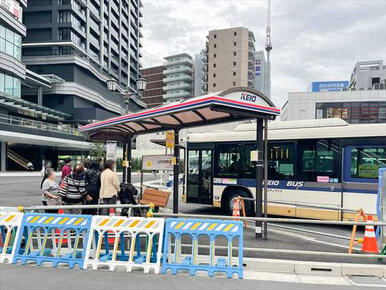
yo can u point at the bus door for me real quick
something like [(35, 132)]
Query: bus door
[(199, 181)]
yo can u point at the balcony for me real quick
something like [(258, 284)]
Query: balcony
[(179, 69), (177, 78), (177, 94), (180, 61), (178, 86), (28, 123)]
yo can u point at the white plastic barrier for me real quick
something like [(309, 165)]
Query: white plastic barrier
[(10, 224), (130, 243)]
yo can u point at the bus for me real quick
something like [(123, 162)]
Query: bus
[(321, 169)]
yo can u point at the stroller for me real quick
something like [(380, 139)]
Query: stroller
[(127, 195)]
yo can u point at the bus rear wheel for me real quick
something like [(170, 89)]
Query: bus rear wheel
[(227, 204)]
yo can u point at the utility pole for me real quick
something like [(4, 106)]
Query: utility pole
[(268, 47)]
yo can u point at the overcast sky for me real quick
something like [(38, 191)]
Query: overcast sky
[(313, 40)]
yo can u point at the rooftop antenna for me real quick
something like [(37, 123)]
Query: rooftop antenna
[(268, 47)]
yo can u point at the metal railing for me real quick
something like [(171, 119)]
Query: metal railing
[(89, 206), (28, 123)]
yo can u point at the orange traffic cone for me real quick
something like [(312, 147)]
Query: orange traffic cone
[(236, 208), (370, 241)]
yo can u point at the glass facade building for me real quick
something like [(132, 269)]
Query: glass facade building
[(84, 44)]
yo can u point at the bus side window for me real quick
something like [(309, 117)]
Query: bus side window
[(366, 161), (233, 160), (281, 164), (318, 158)]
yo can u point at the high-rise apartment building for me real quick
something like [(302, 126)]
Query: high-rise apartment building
[(230, 59), (178, 77), (153, 94), (200, 73), (80, 45)]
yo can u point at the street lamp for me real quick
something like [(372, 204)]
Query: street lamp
[(127, 94)]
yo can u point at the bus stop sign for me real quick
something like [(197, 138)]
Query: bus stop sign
[(170, 139)]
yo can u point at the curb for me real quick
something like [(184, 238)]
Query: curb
[(314, 268)]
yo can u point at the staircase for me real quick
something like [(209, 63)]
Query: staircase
[(19, 160)]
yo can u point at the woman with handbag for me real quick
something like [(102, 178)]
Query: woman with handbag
[(73, 189)]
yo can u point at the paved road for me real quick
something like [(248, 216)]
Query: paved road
[(30, 277)]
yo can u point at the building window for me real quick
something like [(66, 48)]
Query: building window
[(234, 43), (214, 36), (214, 75), (214, 65), (64, 34), (234, 84), (214, 85), (234, 73), (60, 100), (234, 53), (235, 33), (214, 46), (64, 16), (214, 55), (10, 42), (10, 85), (234, 63), (354, 112)]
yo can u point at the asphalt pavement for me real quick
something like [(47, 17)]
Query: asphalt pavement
[(30, 277)]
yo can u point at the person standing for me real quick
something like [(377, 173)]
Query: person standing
[(93, 185), (109, 186), (66, 169), (73, 189), (44, 172), (50, 195)]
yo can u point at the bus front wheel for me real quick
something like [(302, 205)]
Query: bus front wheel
[(228, 201)]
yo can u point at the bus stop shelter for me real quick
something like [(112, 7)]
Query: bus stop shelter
[(235, 104)]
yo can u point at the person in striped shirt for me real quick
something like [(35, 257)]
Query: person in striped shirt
[(73, 189)]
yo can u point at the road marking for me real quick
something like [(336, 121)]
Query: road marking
[(306, 238)]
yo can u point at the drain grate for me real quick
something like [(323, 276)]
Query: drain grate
[(367, 280)]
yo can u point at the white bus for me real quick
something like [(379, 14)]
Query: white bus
[(314, 167)]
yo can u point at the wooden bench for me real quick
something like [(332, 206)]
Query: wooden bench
[(157, 197)]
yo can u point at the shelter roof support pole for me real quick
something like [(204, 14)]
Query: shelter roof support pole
[(129, 147), (124, 162), (265, 228), (176, 170), (259, 177)]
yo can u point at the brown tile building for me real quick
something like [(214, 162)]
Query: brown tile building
[(153, 93)]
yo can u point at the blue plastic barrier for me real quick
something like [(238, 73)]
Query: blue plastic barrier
[(195, 228), (58, 238)]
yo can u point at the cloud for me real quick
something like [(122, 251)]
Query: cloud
[(312, 39)]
